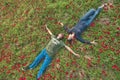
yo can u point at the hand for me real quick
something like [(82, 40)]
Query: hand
[(77, 55), (105, 4), (61, 24), (88, 57), (93, 42)]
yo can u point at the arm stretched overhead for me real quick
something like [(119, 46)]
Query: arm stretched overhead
[(48, 30), (85, 41), (65, 27)]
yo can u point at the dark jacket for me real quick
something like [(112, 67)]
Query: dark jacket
[(82, 25)]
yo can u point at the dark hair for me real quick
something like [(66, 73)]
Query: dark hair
[(70, 32), (70, 41)]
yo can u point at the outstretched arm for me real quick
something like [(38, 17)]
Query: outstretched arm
[(85, 41), (78, 37), (65, 28), (48, 30), (69, 49)]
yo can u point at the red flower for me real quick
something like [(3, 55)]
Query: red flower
[(104, 73), (117, 52), (73, 62), (100, 37), (100, 50), (53, 65), (13, 24), (118, 28), (92, 24), (50, 18), (66, 73), (67, 64), (111, 5), (112, 39), (22, 57), (22, 78), (89, 64), (106, 8), (67, 6), (6, 46), (71, 75), (115, 67), (98, 59), (91, 47), (57, 60), (117, 34), (26, 12), (8, 72)]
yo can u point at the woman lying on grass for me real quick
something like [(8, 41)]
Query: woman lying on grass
[(82, 25), (48, 53)]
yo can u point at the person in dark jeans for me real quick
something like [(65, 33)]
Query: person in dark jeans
[(48, 53), (82, 25)]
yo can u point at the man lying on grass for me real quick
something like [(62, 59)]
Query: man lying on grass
[(82, 25), (48, 53)]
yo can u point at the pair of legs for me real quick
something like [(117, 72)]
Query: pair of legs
[(90, 16), (87, 18), (45, 64)]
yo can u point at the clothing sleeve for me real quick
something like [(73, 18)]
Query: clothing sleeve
[(82, 40), (63, 44), (95, 15), (66, 29)]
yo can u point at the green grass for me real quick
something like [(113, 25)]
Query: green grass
[(23, 36)]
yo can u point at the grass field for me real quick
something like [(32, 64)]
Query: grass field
[(23, 36)]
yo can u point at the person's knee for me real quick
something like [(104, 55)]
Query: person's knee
[(93, 10)]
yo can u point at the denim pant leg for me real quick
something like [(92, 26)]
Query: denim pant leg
[(45, 64), (37, 59), (90, 20), (88, 14)]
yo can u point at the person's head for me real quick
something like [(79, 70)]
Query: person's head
[(70, 38), (60, 36)]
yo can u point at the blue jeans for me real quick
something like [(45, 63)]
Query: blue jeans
[(45, 64), (90, 16), (87, 19)]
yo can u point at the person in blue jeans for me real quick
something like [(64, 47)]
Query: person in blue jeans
[(82, 25), (48, 53)]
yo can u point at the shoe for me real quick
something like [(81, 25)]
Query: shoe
[(25, 68)]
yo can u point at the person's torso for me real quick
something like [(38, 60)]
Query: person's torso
[(81, 26), (53, 46)]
